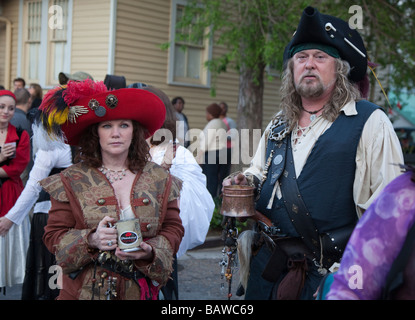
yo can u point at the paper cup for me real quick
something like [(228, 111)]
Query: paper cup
[(13, 144), (129, 235)]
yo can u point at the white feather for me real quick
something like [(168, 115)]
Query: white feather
[(41, 140)]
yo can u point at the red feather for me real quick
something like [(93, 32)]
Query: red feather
[(49, 99), (56, 102), (77, 90)]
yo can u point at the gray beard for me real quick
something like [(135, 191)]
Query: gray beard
[(309, 91)]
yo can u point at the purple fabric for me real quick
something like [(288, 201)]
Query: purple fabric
[(376, 242)]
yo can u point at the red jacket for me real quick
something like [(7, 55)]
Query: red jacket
[(12, 187), (81, 197)]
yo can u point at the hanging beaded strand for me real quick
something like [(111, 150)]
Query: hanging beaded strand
[(265, 173), (113, 175)]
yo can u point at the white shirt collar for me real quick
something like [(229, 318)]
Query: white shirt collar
[(350, 108)]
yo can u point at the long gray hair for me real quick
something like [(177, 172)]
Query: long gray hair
[(343, 92)]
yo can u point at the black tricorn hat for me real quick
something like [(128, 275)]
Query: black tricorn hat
[(323, 29)]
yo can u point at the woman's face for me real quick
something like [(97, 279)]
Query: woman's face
[(115, 137), (209, 116), (7, 109), (32, 90)]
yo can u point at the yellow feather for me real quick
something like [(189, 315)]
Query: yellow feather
[(384, 93), (58, 117)]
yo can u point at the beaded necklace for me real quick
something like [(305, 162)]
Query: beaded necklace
[(113, 175)]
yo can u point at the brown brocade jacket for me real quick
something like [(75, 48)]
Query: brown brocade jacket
[(81, 196)]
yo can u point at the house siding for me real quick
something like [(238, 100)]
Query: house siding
[(2, 52), (90, 37), (141, 27), (10, 11)]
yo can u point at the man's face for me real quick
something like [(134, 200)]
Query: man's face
[(179, 105), (314, 73), (18, 85)]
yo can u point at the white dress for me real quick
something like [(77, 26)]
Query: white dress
[(13, 249), (13, 246), (195, 202)]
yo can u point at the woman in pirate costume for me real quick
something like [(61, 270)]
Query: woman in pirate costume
[(113, 180), (320, 163)]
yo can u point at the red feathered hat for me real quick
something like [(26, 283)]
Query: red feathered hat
[(68, 110)]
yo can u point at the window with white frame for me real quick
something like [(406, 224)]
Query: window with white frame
[(57, 42), (45, 49), (187, 55), (32, 40)]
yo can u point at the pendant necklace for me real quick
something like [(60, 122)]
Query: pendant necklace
[(313, 113), (113, 175)]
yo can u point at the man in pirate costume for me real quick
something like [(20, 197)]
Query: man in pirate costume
[(112, 180), (320, 162)]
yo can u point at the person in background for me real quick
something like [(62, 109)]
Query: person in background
[(231, 126), (14, 157), (50, 158), (212, 148), (36, 95), (229, 121), (21, 120), (183, 125), (18, 83), (195, 202), (22, 107), (112, 180)]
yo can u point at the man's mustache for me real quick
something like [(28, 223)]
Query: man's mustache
[(309, 74)]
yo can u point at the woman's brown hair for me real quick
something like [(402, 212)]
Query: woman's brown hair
[(38, 90)]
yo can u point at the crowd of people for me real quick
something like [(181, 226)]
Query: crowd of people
[(89, 154)]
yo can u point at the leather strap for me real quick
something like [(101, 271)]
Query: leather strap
[(296, 208)]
